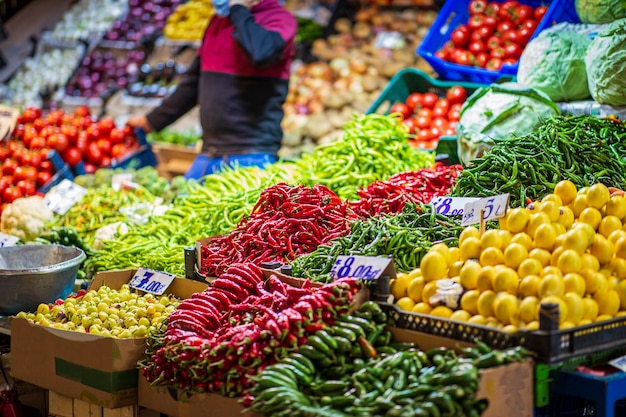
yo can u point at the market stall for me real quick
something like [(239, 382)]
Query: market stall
[(445, 234)]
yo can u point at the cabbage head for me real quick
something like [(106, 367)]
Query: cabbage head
[(606, 65), (600, 11), (554, 63), (497, 112)]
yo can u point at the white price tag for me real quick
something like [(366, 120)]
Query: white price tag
[(492, 208), (119, 179), (8, 240), (149, 280), (451, 206), (619, 363), (63, 196), (8, 120), (363, 267)]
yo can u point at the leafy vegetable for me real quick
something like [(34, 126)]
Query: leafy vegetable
[(600, 11)]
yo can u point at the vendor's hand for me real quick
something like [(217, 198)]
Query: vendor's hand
[(140, 122), (248, 4)]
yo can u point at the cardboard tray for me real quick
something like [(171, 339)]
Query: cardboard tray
[(99, 370)]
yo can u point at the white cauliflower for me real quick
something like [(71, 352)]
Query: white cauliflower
[(109, 232), (26, 218)]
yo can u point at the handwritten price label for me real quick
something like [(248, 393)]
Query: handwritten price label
[(8, 120), (8, 240), (619, 363), (363, 267), (149, 280), (119, 179), (62, 197), (492, 208), (451, 206)]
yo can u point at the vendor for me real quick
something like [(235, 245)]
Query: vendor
[(240, 80)]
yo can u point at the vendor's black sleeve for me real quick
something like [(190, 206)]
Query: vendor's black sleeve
[(183, 99), (263, 47)]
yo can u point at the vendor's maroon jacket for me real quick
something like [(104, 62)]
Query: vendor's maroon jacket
[(239, 79)]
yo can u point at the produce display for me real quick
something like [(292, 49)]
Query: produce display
[(567, 249), (155, 81), (495, 35), (174, 137), (189, 20), (106, 312), (144, 20), (25, 218), (87, 18), (600, 11), (528, 167)]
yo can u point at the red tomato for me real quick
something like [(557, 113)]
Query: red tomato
[(540, 12), (422, 122), (460, 38), (441, 54), (490, 22), (400, 108), (71, 132), (119, 149), (482, 33), (477, 6), (477, 47), (494, 64), (106, 125), (58, 142), (9, 166), (29, 134), (117, 135), (81, 144), (505, 26), (492, 9), (5, 182), (475, 22), (27, 187), (512, 50), (465, 58), (11, 194), (67, 119), (498, 52), (440, 112), (507, 9), (105, 146), (93, 132), (456, 95), (448, 46), (522, 13), (90, 168), (82, 111), (25, 173), (424, 135), (425, 112), (440, 122), (72, 156), (43, 177), (530, 24), (509, 61), (4, 153), (511, 36), (93, 154), (443, 103), (38, 143), (449, 131), (106, 161), (524, 35), (481, 59), (454, 115), (39, 124), (435, 132), (410, 123), (45, 166), (413, 101), (494, 42), (429, 100)]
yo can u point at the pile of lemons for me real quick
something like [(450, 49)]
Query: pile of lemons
[(189, 21), (568, 249)]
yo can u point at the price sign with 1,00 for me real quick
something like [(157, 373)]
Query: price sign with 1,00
[(363, 267)]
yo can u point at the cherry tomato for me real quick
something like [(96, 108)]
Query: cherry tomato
[(494, 64), (524, 35), (27, 173), (39, 124), (71, 132), (482, 33), (477, 6), (38, 142), (494, 42), (45, 166), (481, 59), (492, 9), (522, 13), (4, 153), (8, 166), (422, 122), (477, 47), (475, 22), (511, 36), (540, 12), (465, 58), (5, 182), (27, 187), (413, 101), (505, 26), (411, 123), (454, 115), (72, 156), (440, 122), (58, 142), (456, 95), (435, 132), (424, 135), (400, 108), (530, 24), (449, 131), (429, 99), (507, 9), (439, 112), (424, 112), (29, 135), (460, 38), (11, 194), (512, 50), (42, 178), (441, 54), (490, 22), (498, 52)]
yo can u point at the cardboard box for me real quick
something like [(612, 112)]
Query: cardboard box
[(99, 370), (509, 388)]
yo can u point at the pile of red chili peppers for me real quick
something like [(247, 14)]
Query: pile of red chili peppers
[(218, 339), (286, 222), (419, 186)]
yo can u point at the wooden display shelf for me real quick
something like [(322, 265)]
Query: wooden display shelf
[(62, 406), (174, 159)]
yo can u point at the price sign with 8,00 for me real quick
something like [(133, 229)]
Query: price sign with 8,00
[(451, 206), (363, 267), (149, 280), (491, 207)]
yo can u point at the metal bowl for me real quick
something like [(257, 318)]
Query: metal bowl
[(34, 274)]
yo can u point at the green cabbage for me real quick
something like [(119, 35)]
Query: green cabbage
[(606, 65), (554, 63), (600, 11), (497, 112)]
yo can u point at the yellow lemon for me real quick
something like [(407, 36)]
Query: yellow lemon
[(584, 322), (430, 288), (559, 229), (502, 223), (494, 323), (602, 249), (485, 278), (598, 195), (566, 325), (542, 255), (551, 208), (510, 328), (455, 254), (553, 197), (533, 325), (575, 307), (491, 239), (441, 311), (506, 237), (443, 249), (590, 309), (566, 190), (535, 221), (620, 248), (587, 228), (529, 266), (434, 266), (574, 283), (478, 319), (529, 286), (608, 225), (422, 308), (469, 301), (460, 315), (415, 273), (621, 292), (569, 261), (455, 268), (555, 255), (551, 270), (485, 303), (491, 256), (553, 299), (469, 275), (566, 217), (470, 248), (524, 240), (591, 216), (592, 280), (506, 308), (551, 285), (579, 204), (616, 206), (514, 255), (506, 280), (545, 236), (469, 231), (533, 207), (589, 261), (400, 285), (610, 303), (517, 220), (618, 266), (616, 235), (620, 314), (603, 317), (529, 309), (415, 289), (405, 303), (575, 239)]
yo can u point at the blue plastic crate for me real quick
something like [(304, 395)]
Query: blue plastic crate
[(455, 13), (61, 169), (142, 157)]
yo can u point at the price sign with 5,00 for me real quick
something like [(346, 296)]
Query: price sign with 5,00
[(491, 207), (149, 280), (363, 267)]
